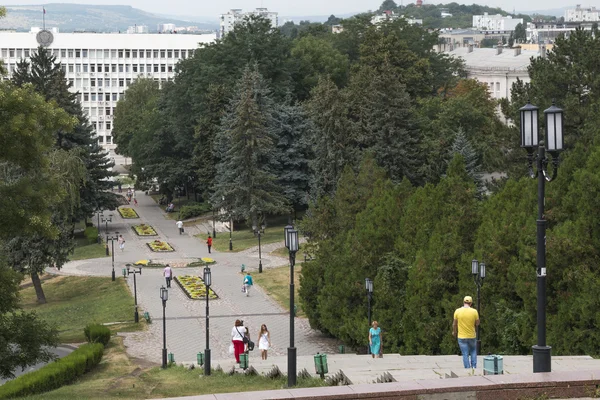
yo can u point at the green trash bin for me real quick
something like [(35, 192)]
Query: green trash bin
[(244, 360), (171, 358), (493, 365), (321, 367), (342, 349), (200, 358)]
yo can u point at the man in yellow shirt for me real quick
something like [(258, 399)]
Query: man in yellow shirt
[(466, 319)]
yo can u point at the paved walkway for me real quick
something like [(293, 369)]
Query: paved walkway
[(185, 317)]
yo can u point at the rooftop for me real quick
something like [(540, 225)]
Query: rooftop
[(488, 59)]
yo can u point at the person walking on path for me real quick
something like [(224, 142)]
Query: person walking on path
[(466, 319), (121, 242), (375, 339), (248, 283), (209, 243), (264, 341), (168, 274), (238, 339), (180, 226)]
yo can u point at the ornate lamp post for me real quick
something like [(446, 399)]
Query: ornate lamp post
[(478, 272), (207, 281), (164, 295), (112, 245), (98, 213), (259, 232), (213, 221), (291, 242), (106, 220), (369, 289), (554, 145), (136, 315)]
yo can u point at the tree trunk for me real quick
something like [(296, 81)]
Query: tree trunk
[(37, 284)]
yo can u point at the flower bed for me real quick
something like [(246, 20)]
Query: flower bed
[(194, 287), (128, 213), (160, 246), (149, 264), (144, 230), (208, 261)]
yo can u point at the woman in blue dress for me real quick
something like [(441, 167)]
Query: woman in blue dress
[(375, 339)]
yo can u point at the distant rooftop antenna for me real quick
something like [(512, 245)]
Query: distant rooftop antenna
[(43, 18)]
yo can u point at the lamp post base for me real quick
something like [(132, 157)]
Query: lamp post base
[(542, 356), (113, 274), (107, 252), (164, 358), (230, 245), (260, 267), (291, 366), (206, 362), (136, 316)]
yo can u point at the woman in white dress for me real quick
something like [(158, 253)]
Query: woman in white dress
[(264, 341)]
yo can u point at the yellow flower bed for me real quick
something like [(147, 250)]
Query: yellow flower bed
[(144, 230), (194, 287), (142, 262), (208, 260), (160, 246), (128, 213)]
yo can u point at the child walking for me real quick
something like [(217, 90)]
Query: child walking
[(264, 341)]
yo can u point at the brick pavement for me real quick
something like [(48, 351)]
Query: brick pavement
[(185, 317)]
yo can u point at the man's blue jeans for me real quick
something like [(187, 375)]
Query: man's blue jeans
[(468, 347)]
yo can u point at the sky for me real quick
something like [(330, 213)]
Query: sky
[(299, 7)]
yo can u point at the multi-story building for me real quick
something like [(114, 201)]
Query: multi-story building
[(100, 66), (390, 16), (165, 28), (582, 14), (137, 29), (495, 22), (235, 16)]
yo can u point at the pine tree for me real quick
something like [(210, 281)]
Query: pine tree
[(463, 147), (245, 184)]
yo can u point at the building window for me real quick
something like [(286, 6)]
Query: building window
[(107, 83), (4, 53), (155, 67), (120, 67), (12, 53), (148, 53), (77, 53), (93, 83), (63, 53), (86, 97), (95, 126), (64, 68), (133, 53), (148, 68), (169, 53), (71, 82), (170, 69), (79, 97), (113, 53), (78, 68), (114, 97), (84, 53), (155, 53), (182, 53), (99, 66), (127, 82), (120, 53), (70, 53), (93, 96), (100, 125), (107, 96), (26, 53), (92, 67), (108, 125), (94, 111), (78, 83), (121, 82), (162, 54), (127, 54), (100, 139), (113, 82), (141, 53), (85, 68), (113, 68), (126, 67), (71, 68), (135, 68), (19, 52), (93, 53), (99, 82), (162, 67), (107, 110), (108, 140), (106, 67), (176, 53), (141, 67)]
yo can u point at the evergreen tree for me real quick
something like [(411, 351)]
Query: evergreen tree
[(245, 184), (463, 147), (520, 33)]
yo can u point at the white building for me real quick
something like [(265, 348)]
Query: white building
[(137, 29), (580, 14), (498, 68), (495, 22), (100, 66), (235, 16), (390, 16), (166, 27)]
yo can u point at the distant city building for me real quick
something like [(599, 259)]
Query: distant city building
[(137, 29), (337, 29), (495, 22), (166, 28), (446, 14), (548, 32), (235, 16), (101, 66), (390, 16), (580, 14)]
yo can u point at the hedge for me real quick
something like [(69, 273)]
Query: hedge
[(193, 210), (56, 374), (91, 234), (96, 333)]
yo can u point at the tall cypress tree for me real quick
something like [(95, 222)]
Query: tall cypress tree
[(245, 184)]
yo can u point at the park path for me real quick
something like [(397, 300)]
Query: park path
[(186, 318)]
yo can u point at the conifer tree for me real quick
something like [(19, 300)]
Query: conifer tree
[(463, 147)]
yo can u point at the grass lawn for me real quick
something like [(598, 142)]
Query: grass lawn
[(285, 253), (244, 239), (84, 250), (276, 282), (75, 301), (117, 376), (179, 202)]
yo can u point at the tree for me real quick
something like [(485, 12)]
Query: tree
[(332, 20), (463, 147), (387, 5), (511, 39), (245, 184), (520, 33)]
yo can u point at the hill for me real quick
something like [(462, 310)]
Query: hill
[(77, 17)]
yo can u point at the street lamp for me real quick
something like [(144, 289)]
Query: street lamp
[(291, 242), (106, 220), (478, 272), (259, 232), (164, 295), (112, 245), (230, 229), (369, 289), (136, 315), (98, 212), (207, 282), (554, 145), (213, 221)]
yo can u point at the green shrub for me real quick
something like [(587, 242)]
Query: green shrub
[(193, 210), (56, 374), (91, 234), (96, 333)]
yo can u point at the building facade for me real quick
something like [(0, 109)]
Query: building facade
[(101, 66), (495, 22), (235, 16), (582, 14)]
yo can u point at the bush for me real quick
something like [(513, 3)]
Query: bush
[(96, 333), (193, 210), (56, 374), (91, 233)]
